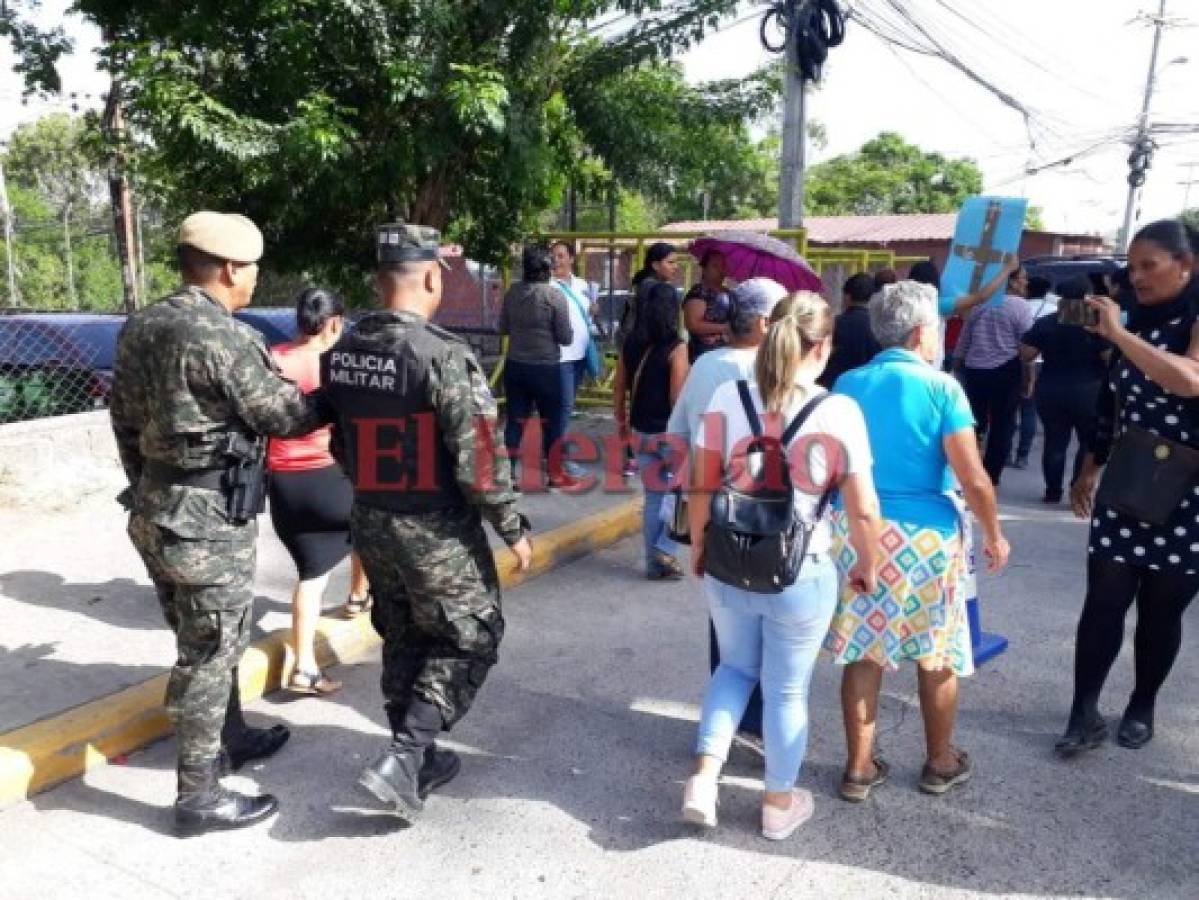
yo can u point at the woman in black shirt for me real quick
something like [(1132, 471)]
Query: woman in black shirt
[(1067, 387), (1153, 386), (652, 368)]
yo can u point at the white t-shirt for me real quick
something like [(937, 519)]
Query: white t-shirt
[(579, 324), (835, 433)]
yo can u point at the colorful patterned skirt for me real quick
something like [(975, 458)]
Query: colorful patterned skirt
[(918, 611)]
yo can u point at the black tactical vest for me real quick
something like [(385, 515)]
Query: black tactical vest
[(376, 378)]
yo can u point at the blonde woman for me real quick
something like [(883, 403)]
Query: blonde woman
[(775, 638)]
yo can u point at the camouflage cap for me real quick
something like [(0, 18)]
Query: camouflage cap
[(402, 242), (223, 235)]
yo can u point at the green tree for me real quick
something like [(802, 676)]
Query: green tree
[(321, 118), (889, 175), (37, 50), (56, 157), (1191, 217)]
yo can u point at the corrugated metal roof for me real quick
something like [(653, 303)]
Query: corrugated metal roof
[(850, 229)]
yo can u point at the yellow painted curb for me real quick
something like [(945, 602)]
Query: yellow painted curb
[(38, 756)]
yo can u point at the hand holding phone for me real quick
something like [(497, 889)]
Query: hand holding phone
[(1076, 311)]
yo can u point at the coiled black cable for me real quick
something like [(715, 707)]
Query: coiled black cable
[(817, 25)]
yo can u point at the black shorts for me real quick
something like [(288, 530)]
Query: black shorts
[(311, 514)]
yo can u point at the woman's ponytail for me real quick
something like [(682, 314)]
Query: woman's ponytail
[(799, 322)]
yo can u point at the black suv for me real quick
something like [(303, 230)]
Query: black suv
[(1062, 268)]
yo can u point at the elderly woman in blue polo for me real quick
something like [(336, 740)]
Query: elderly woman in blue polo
[(922, 437)]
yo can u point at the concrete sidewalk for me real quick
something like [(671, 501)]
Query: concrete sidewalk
[(576, 752), (81, 620)]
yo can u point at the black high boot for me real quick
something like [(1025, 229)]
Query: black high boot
[(438, 767), (240, 743), (395, 776), (204, 804)]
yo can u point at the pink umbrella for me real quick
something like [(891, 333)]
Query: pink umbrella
[(751, 254)]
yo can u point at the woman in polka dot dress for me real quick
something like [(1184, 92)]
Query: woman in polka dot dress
[(1155, 376)]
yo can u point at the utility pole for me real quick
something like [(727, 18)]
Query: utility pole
[(9, 252), (1186, 194), (791, 164), (1142, 151), (122, 205)]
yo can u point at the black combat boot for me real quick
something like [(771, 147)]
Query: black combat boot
[(240, 743), (440, 767), (204, 805), (395, 776)]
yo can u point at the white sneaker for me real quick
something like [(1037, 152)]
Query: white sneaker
[(778, 824), (699, 801)]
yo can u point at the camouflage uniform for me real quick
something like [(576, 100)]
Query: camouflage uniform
[(436, 589), (187, 375)]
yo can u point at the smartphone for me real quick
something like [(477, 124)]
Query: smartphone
[(1075, 311)]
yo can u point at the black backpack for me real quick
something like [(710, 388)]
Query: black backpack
[(756, 539)]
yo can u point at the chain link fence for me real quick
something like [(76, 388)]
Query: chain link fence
[(55, 364)]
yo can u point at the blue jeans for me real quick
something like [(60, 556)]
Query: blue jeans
[(654, 464), (774, 638), (538, 387)]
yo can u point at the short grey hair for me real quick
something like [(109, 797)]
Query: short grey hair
[(898, 309)]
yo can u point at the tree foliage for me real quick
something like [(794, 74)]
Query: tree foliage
[(889, 175), (59, 158), (63, 244), (1191, 217), (322, 118), (37, 50)]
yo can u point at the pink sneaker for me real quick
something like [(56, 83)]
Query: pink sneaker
[(699, 801), (778, 824)]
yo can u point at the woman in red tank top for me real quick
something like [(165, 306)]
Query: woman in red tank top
[(311, 496)]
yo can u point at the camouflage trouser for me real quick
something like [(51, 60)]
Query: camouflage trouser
[(437, 597), (204, 587)]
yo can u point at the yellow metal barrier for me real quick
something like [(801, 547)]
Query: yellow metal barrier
[(852, 259)]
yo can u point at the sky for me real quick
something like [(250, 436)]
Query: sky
[(1079, 65)]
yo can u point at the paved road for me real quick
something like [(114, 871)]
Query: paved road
[(80, 616), (577, 749)]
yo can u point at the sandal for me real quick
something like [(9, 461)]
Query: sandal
[(312, 683), (934, 782), (356, 606), (856, 788)]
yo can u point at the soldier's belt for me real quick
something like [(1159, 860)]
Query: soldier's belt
[(164, 473)]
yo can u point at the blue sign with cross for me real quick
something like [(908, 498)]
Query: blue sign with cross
[(987, 229)]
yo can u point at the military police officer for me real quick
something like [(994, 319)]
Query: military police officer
[(413, 428), (193, 393)]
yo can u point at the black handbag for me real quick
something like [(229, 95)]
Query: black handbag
[(1147, 476), (679, 526), (756, 539)]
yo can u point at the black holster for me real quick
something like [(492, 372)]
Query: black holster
[(243, 481)]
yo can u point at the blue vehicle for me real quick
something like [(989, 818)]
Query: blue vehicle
[(276, 324), (54, 364)]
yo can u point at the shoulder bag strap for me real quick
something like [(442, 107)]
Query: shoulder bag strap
[(747, 403), (793, 429), (802, 416), (637, 376), (568, 289)]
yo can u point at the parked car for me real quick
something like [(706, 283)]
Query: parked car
[(54, 364), (277, 324), (1062, 268)]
